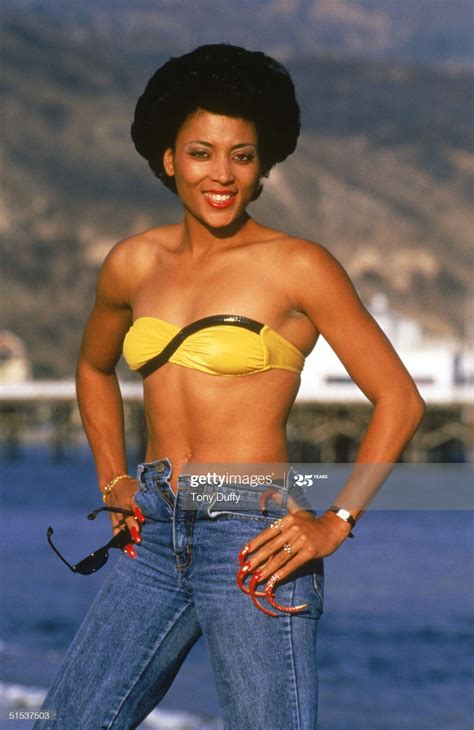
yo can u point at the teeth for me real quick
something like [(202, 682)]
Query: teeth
[(218, 198)]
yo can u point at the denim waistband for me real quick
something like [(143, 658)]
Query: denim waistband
[(209, 499)]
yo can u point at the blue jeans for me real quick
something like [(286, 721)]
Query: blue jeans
[(151, 610)]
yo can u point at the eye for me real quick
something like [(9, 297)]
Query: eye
[(199, 154), (244, 157)]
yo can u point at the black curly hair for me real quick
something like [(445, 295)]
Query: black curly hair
[(222, 79)]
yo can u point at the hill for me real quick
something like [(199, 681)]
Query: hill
[(382, 177)]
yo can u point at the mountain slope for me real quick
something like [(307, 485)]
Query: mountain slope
[(382, 177)]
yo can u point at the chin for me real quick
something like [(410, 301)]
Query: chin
[(218, 220)]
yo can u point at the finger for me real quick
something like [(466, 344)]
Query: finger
[(135, 533), (253, 595), (240, 578), (278, 576), (273, 546), (277, 497), (117, 526), (134, 527), (135, 523), (139, 516), (130, 551), (272, 494), (268, 533), (281, 558), (270, 596)]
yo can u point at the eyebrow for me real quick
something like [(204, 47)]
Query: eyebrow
[(234, 147)]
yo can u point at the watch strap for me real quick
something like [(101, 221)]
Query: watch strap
[(345, 515)]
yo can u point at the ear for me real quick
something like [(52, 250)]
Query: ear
[(168, 162)]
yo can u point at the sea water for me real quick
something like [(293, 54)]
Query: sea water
[(395, 640)]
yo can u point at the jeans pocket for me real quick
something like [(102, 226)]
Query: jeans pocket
[(154, 505)]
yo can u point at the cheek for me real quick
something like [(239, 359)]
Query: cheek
[(187, 170), (250, 180)]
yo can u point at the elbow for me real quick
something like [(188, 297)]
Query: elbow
[(414, 407), (82, 369), (406, 405), (85, 371)]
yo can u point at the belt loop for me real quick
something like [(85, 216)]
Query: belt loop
[(140, 470), (211, 505), (286, 488)]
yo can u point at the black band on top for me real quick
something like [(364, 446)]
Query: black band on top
[(235, 320)]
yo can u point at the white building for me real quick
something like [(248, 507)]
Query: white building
[(14, 363), (443, 369)]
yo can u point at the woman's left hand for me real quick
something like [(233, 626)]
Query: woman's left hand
[(298, 538)]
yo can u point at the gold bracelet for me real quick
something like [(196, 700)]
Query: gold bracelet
[(110, 485)]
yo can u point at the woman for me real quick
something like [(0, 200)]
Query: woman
[(211, 124)]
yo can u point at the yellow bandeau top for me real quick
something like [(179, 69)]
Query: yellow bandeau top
[(233, 346)]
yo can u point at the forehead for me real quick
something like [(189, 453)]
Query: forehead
[(207, 126)]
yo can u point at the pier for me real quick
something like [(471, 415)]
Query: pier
[(319, 431)]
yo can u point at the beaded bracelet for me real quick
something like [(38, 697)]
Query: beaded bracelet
[(110, 485)]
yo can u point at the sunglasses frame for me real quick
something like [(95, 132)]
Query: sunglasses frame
[(119, 541)]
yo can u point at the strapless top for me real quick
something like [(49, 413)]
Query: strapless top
[(222, 344)]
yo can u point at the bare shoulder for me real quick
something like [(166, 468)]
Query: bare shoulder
[(129, 260), (302, 252), (313, 275), (301, 257), (137, 252)]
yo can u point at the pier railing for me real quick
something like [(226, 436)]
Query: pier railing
[(318, 431)]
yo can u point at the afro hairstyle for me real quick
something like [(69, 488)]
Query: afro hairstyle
[(222, 79)]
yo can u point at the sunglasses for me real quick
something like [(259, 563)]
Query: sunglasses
[(99, 557)]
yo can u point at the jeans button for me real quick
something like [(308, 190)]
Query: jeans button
[(160, 466)]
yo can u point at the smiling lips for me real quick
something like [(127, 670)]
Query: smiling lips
[(217, 199)]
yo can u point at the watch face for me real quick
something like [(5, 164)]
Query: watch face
[(344, 514)]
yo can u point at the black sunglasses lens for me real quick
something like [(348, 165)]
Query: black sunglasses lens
[(97, 559), (121, 539), (92, 563)]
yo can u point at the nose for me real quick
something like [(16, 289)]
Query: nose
[(222, 171)]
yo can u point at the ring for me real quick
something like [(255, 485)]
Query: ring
[(287, 548), (277, 524)]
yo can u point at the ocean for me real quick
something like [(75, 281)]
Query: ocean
[(395, 640)]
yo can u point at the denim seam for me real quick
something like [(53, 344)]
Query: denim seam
[(317, 588), (295, 698), (162, 493), (239, 515), (188, 550), (148, 659)]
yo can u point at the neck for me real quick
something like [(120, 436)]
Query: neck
[(201, 239)]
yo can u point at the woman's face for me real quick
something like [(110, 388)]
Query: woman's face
[(216, 166)]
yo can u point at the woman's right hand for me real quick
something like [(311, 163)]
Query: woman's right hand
[(122, 496)]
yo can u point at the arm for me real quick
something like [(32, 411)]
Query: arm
[(319, 287), (98, 392), (326, 295)]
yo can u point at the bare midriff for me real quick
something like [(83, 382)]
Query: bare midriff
[(193, 417)]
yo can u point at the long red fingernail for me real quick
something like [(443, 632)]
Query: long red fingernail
[(139, 514), (253, 594), (129, 549), (243, 553), (241, 575), (135, 534)]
